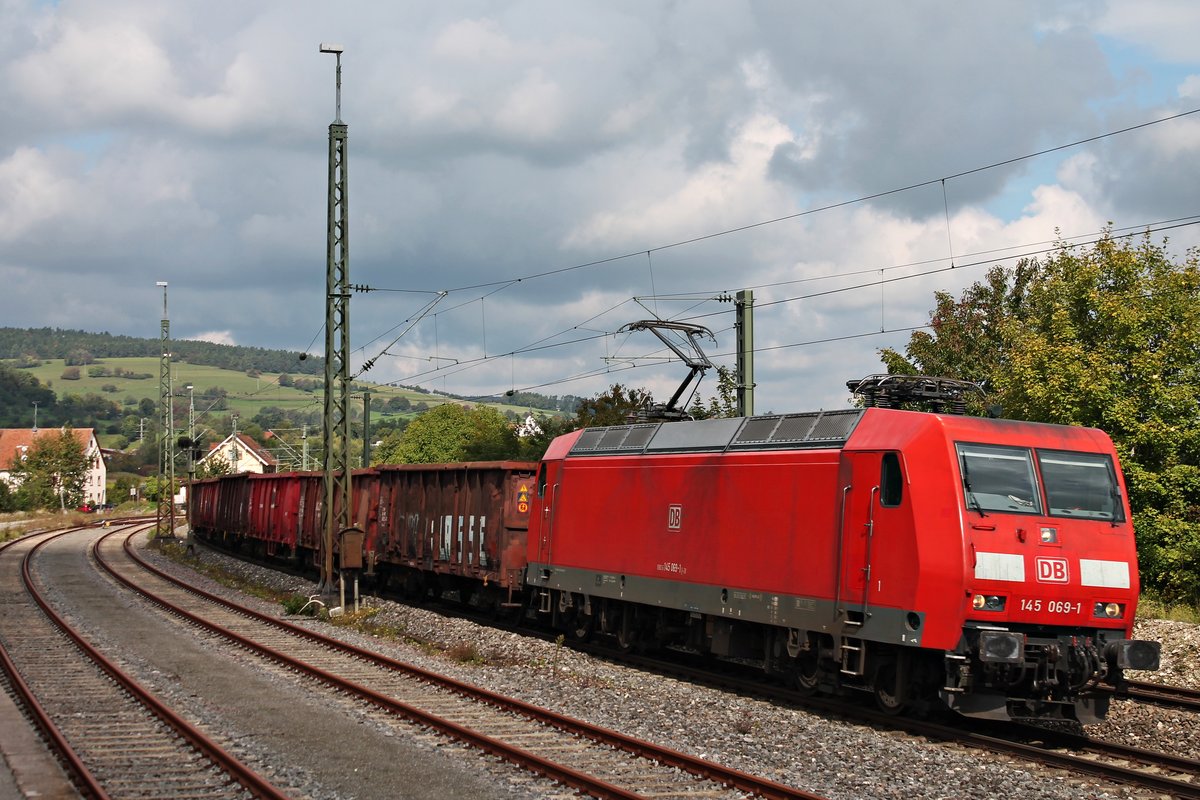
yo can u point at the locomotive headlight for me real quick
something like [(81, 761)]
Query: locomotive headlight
[(1110, 610), (989, 602)]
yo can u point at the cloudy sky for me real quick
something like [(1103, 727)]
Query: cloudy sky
[(563, 169)]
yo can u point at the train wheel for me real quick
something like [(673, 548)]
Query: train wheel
[(581, 626), (891, 697), (808, 674)]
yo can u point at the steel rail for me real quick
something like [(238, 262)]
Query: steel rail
[(696, 766), (995, 742), (87, 783), (1160, 694), (238, 771), (983, 734)]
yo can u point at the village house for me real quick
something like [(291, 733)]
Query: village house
[(15, 444), (242, 454)]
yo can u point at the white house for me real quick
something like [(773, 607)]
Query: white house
[(15, 443), (242, 454)]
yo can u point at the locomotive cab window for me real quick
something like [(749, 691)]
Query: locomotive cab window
[(891, 481), (1081, 485), (998, 479), (541, 478)]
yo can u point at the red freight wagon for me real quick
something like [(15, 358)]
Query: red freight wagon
[(203, 496), (275, 509), (311, 491), (220, 505), (989, 561), (453, 526)]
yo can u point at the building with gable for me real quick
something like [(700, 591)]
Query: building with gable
[(242, 454), (15, 443)]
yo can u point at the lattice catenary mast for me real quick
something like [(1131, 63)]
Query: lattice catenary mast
[(337, 515), (165, 511)]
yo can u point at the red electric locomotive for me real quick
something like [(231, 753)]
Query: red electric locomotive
[(912, 554), (916, 555)]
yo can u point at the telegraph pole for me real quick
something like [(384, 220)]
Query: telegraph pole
[(337, 510), (165, 512)]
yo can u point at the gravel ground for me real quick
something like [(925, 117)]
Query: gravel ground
[(1157, 728), (829, 757)]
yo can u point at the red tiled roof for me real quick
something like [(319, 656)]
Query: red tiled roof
[(13, 439)]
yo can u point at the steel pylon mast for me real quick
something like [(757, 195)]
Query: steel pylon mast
[(338, 514), (744, 304), (165, 512)]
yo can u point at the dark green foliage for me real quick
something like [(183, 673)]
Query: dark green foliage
[(299, 604), (614, 407), (83, 348), (724, 403), (18, 392), (1106, 337)]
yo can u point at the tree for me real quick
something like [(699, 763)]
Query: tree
[(18, 393), (52, 472), (212, 467), (490, 437), (158, 485), (615, 407), (721, 405), (448, 433), (532, 448), (1106, 337)]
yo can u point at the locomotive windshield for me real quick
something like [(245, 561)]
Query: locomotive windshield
[(1003, 479), (1080, 485), (999, 478)]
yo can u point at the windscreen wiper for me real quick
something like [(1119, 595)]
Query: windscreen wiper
[(972, 500)]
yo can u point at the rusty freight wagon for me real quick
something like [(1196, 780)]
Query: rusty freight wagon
[(439, 527)]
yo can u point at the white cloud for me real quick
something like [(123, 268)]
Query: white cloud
[(33, 189), (146, 141), (711, 198), (216, 337), (1166, 27)]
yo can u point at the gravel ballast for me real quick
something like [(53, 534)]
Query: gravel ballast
[(826, 756)]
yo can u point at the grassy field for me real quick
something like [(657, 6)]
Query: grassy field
[(246, 396)]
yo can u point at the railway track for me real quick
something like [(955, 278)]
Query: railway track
[(114, 738), (1159, 772), (1164, 773), (587, 758), (1162, 695)]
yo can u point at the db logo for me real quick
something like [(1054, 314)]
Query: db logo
[(674, 517), (1052, 570)]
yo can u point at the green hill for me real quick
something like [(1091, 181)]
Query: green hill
[(111, 384)]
